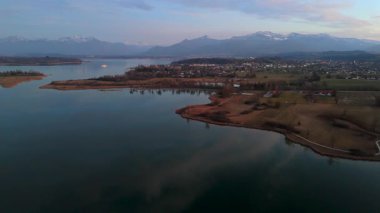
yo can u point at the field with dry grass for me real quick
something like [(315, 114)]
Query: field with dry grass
[(330, 129), (264, 77)]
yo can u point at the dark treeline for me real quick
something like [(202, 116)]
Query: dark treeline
[(173, 91), (333, 56), (226, 61), (20, 73), (218, 61), (290, 58), (112, 78), (37, 61)]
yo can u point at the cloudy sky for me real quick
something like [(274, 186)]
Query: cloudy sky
[(169, 21)]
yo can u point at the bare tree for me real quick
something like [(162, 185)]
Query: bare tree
[(226, 91), (377, 101)]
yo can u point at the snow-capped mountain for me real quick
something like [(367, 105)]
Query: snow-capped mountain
[(261, 43), (256, 44), (78, 39), (263, 35)]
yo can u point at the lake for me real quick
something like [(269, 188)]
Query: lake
[(117, 151)]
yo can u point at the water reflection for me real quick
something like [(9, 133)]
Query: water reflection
[(121, 151), (167, 181)]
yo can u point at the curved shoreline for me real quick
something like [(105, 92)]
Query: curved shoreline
[(293, 137), (323, 128)]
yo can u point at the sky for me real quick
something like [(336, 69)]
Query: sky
[(164, 22)]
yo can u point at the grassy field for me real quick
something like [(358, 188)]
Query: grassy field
[(336, 84), (351, 85), (358, 98), (264, 77), (294, 97), (350, 128)]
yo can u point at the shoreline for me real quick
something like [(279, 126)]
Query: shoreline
[(41, 65), (154, 83), (324, 130), (291, 136), (39, 61), (12, 81)]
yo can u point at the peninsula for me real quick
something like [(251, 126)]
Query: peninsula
[(335, 112), (38, 61), (327, 128), (10, 79)]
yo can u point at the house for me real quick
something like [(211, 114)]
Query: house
[(329, 93), (269, 94)]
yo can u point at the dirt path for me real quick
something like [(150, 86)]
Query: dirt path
[(378, 146), (323, 146)]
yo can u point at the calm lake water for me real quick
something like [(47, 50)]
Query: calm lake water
[(112, 151)]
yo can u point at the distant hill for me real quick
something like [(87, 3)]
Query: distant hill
[(333, 55), (375, 49), (260, 44), (78, 46), (219, 61), (288, 58)]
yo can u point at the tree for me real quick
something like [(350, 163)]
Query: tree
[(226, 91), (314, 77)]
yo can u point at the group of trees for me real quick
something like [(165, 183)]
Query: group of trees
[(226, 91), (112, 78), (20, 73), (314, 77)]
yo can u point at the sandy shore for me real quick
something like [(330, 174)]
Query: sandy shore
[(12, 81)]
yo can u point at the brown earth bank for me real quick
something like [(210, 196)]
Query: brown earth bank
[(12, 81), (338, 131), (148, 83)]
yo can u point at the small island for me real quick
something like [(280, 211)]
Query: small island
[(334, 111), (10, 79), (38, 61)]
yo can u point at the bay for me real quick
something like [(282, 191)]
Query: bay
[(117, 151)]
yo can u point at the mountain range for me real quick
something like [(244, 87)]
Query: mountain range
[(253, 45), (263, 43), (72, 46)]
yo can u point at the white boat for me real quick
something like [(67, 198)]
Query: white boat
[(104, 65)]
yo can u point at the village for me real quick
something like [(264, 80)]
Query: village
[(248, 68)]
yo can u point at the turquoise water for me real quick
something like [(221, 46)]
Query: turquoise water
[(112, 151)]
